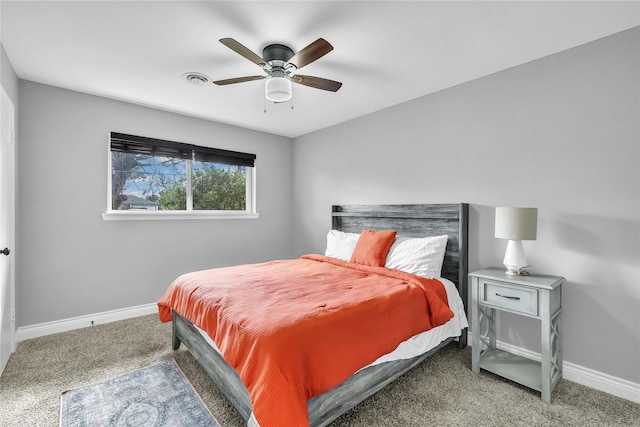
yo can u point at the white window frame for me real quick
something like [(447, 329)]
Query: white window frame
[(249, 213)]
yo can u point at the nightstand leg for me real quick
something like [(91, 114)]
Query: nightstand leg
[(559, 357), (479, 316), (491, 328), (475, 327), (547, 347)]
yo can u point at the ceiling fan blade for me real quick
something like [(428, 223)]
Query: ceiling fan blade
[(241, 49), (307, 55), (238, 80), (316, 82)]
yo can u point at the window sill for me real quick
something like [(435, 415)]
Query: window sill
[(160, 215)]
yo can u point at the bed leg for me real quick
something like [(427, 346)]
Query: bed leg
[(175, 341), (462, 340)]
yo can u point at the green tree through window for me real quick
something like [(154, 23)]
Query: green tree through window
[(219, 187), (215, 187)]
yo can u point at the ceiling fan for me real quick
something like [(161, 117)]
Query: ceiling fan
[(280, 63)]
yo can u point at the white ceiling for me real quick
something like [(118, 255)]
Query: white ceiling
[(385, 52)]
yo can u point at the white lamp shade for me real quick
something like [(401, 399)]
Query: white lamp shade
[(277, 89), (516, 223)]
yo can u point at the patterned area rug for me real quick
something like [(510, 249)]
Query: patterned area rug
[(158, 395)]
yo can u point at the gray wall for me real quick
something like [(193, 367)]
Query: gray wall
[(70, 261), (8, 77), (560, 134)]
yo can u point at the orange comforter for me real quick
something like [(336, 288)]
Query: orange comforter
[(293, 329)]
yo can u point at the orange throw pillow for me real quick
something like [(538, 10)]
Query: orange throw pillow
[(373, 246)]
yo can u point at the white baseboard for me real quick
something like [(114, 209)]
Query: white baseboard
[(48, 328), (579, 374)]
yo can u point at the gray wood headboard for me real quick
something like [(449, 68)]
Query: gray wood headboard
[(416, 221)]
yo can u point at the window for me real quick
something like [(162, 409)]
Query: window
[(150, 174)]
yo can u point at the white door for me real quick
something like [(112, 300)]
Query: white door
[(7, 230)]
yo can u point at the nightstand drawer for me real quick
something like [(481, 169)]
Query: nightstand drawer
[(514, 298)]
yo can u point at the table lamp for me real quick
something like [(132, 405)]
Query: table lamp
[(516, 224)]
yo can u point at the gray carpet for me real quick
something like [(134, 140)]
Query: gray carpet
[(441, 391)]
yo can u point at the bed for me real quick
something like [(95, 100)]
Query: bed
[(408, 220)]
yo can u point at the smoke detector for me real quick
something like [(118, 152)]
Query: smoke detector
[(197, 79)]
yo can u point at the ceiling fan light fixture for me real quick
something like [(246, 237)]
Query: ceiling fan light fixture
[(278, 89)]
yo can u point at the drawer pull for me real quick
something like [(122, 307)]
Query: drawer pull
[(508, 297)]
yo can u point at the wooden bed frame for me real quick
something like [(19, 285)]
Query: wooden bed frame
[(408, 220)]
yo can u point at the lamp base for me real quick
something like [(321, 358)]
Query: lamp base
[(524, 271), (514, 259)]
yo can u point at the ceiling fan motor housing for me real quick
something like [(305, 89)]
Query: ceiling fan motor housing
[(277, 54)]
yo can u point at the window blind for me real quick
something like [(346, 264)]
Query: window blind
[(121, 142)]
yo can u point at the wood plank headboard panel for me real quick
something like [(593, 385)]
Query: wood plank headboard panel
[(416, 221)]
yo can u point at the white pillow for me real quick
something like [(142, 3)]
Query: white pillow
[(422, 256), (340, 245)]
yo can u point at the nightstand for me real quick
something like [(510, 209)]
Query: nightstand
[(536, 296)]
